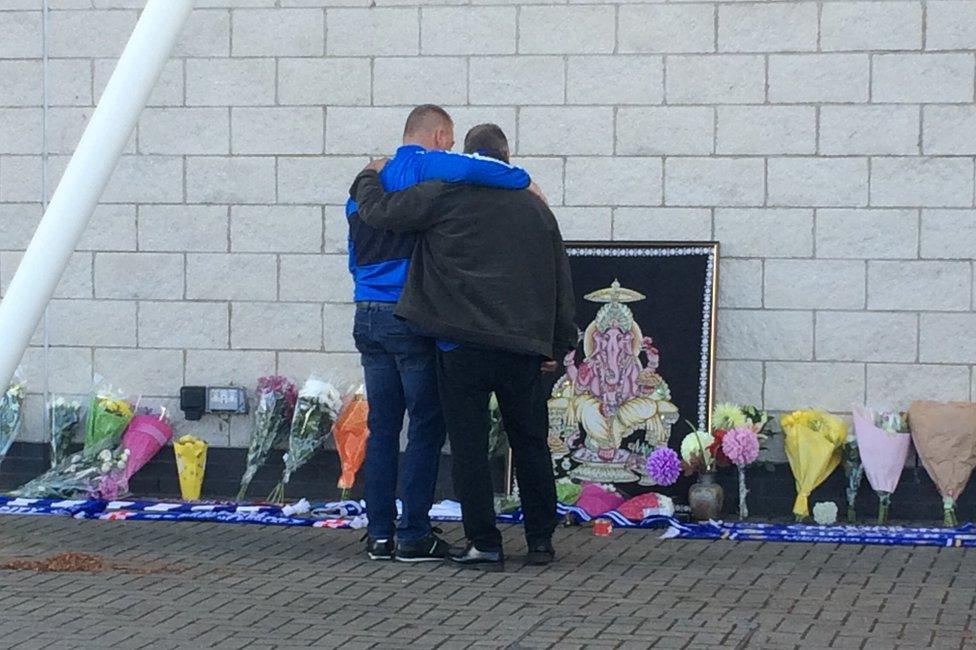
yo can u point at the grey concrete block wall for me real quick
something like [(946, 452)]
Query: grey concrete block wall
[(828, 145)]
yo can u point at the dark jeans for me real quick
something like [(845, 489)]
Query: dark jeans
[(401, 376), (466, 377)]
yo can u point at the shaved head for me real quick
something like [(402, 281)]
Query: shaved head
[(429, 126)]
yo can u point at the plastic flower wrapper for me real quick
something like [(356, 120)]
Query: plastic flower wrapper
[(350, 433), (108, 415), (317, 408), (567, 492), (191, 464), (945, 437), (64, 416), (497, 439), (11, 414), (663, 466), (92, 474), (276, 397), (883, 450), (825, 513), (854, 471), (813, 443), (741, 445), (146, 434)]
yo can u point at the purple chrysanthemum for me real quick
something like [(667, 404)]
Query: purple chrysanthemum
[(663, 466)]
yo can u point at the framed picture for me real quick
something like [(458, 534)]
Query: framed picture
[(644, 366)]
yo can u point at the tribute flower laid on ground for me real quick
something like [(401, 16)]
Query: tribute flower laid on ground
[(315, 412), (65, 417), (882, 441), (945, 437), (276, 397), (108, 415), (350, 432), (11, 415), (813, 442)]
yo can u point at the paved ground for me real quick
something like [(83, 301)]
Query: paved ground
[(230, 586)]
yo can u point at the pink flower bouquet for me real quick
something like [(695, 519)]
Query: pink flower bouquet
[(883, 446), (144, 437)]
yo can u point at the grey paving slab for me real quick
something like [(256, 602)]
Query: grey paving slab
[(176, 585)]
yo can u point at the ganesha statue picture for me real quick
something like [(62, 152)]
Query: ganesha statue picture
[(612, 408)]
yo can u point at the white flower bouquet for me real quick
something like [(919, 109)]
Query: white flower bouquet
[(316, 411), (11, 415)]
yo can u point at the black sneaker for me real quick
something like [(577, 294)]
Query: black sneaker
[(429, 548), (473, 557), (379, 549), (540, 554)]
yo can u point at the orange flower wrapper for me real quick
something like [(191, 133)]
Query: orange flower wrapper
[(350, 432)]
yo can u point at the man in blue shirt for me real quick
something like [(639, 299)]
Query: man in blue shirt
[(398, 361)]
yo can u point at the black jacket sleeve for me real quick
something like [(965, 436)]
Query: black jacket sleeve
[(405, 211), (565, 336)]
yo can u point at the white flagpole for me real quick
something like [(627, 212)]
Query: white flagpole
[(88, 173)]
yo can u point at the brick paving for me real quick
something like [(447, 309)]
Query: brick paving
[(193, 585)]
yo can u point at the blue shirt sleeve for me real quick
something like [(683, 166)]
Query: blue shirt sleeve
[(465, 168)]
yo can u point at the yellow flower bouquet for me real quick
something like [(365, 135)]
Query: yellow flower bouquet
[(813, 441), (108, 416)]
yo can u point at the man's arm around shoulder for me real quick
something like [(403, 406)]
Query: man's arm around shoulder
[(404, 211)]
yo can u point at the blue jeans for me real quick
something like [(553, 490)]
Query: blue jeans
[(401, 376)]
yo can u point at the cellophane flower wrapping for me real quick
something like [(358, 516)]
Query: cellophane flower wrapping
[(64, 417), (497, 439), (350, 432), (146, 434), (92, 473), (108, 415), (813, 443), (945, 437), (11, 414), (883, 442), (316, 410), (191, 465), (854, 471), (276, 397)]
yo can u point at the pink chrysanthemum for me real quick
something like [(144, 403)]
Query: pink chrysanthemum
[(663, 466), (741, 445)]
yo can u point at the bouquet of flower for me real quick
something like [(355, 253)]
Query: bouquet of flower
[(883, 440), (739, 432), (93, 475), (191, 464), (350, 431), (315, 412), (64, 416), (813, 446), (276, 398), (146, 434), (108, 415), (854, 471), (945, 437), (11, 415)]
